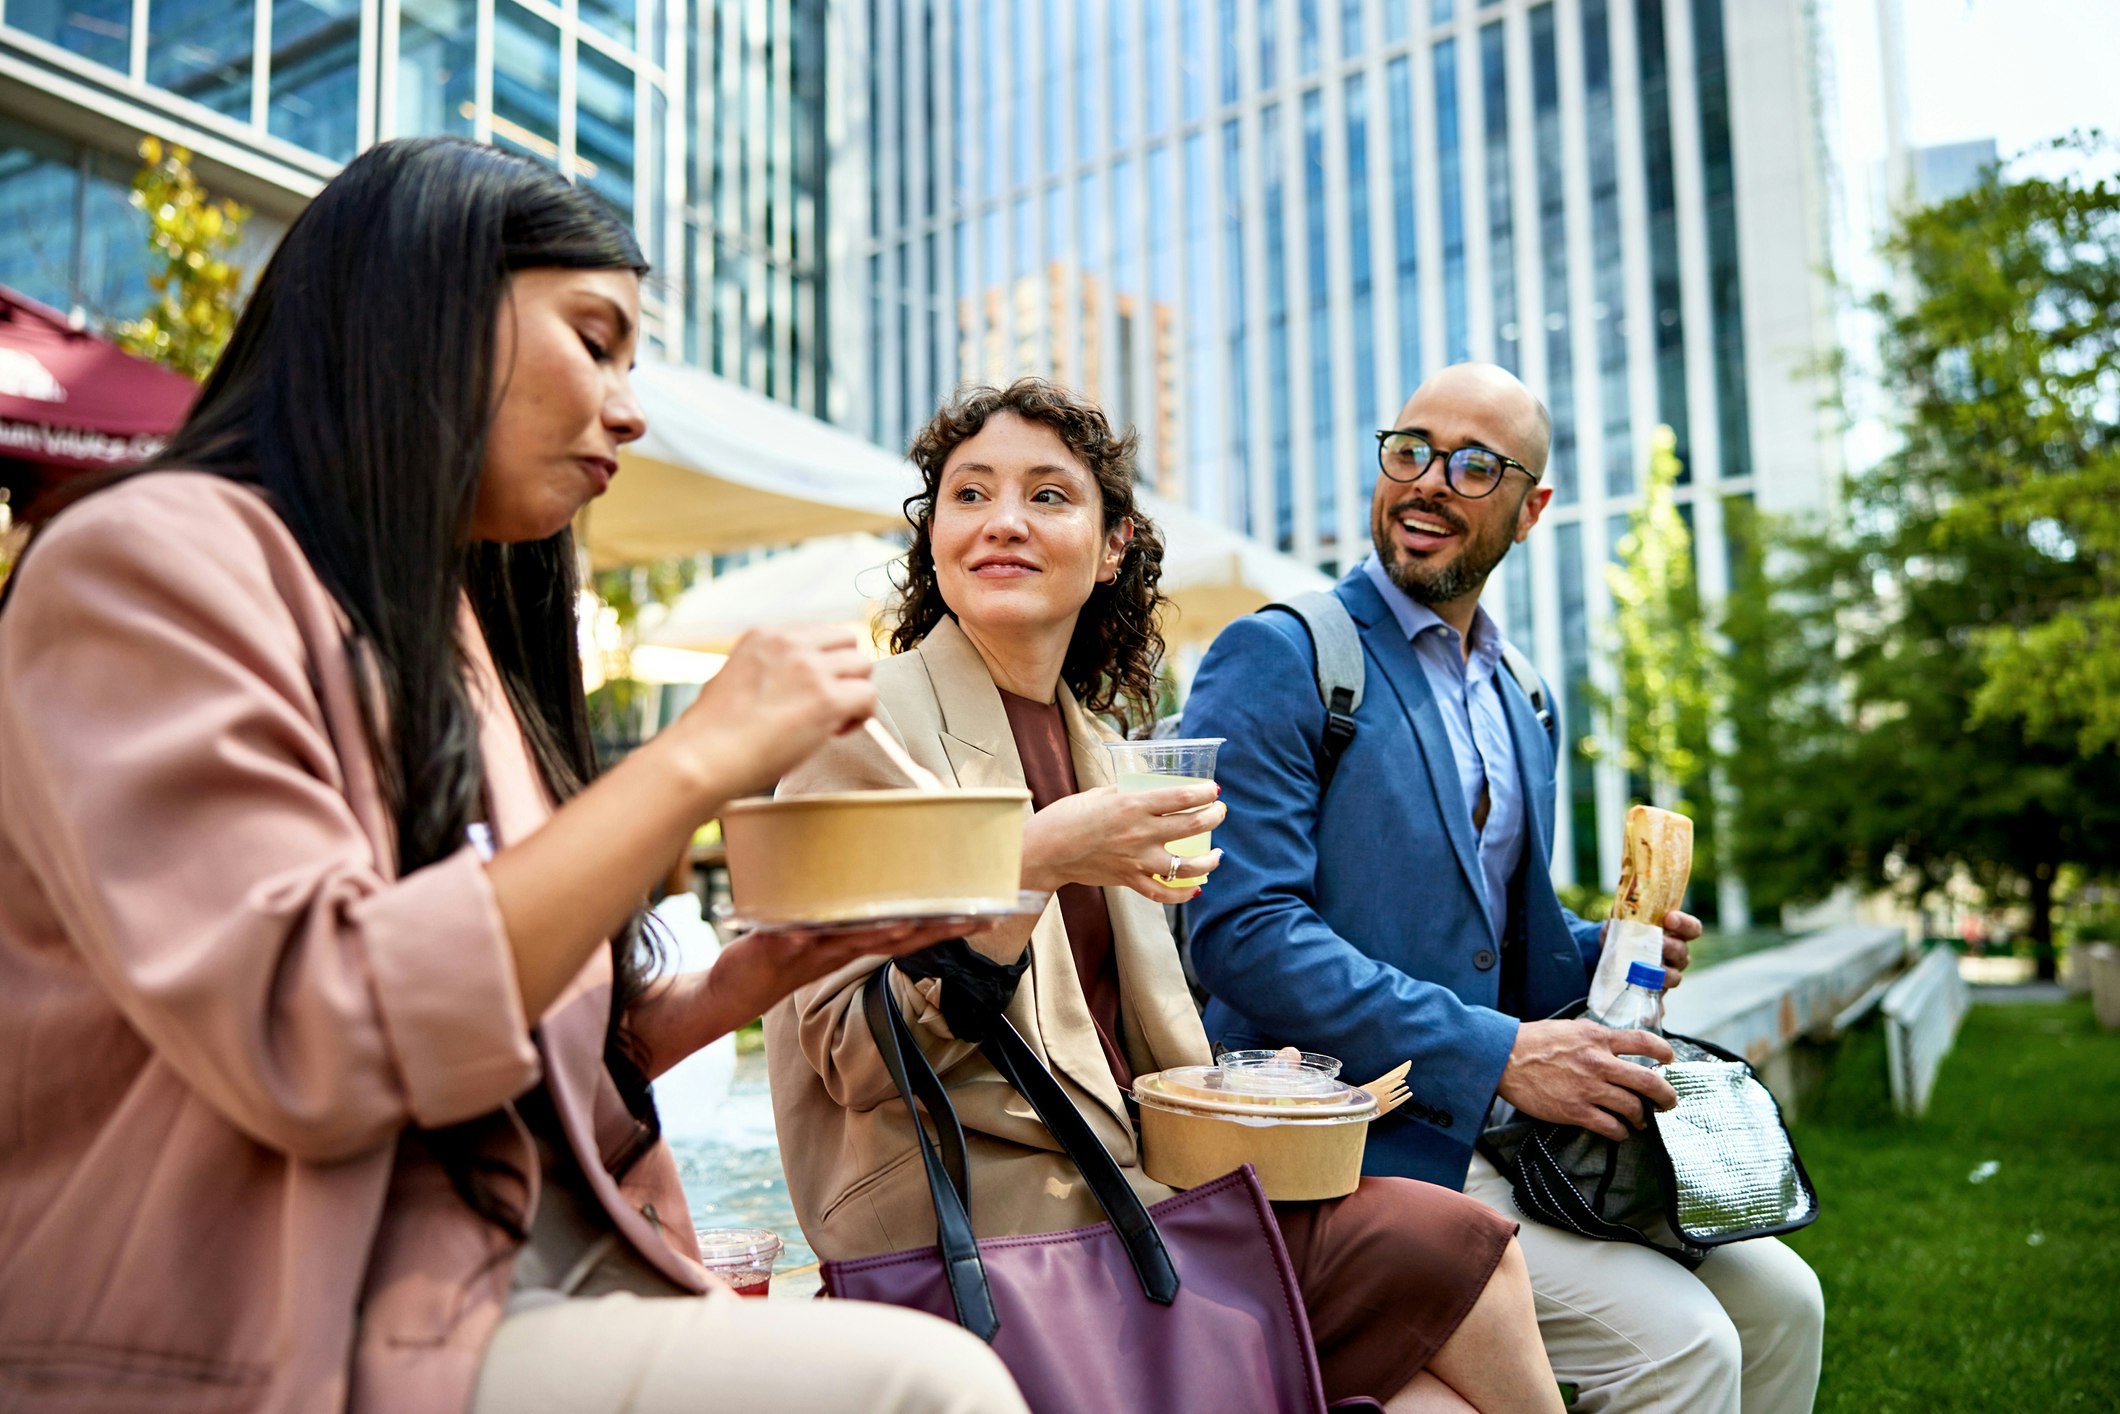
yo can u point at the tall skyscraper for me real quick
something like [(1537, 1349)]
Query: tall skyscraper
[(1249, 227), (701, 120)]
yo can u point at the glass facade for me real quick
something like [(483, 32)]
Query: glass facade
[(702, 124), (1250, 227)]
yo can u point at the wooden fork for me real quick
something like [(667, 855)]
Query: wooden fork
[(1390, 1088)]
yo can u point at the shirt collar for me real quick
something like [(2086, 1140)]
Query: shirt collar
[(1415, 618)]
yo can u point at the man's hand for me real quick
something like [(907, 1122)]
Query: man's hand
[(1680, 929), (1570, 1072)]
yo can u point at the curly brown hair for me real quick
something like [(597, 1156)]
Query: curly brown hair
[(1118, 644)]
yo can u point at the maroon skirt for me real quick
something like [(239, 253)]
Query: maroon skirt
[(1387, 1274)]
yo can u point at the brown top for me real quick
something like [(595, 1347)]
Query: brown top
[(1049, 772)]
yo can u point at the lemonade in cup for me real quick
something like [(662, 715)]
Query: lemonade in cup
[(1155, 765)]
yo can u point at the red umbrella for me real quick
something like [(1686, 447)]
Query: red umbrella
[(72, 401)]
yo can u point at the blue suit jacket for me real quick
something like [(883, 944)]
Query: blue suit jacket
[(1356, 925)]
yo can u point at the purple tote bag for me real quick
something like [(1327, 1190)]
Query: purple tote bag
[(1187, 1307)]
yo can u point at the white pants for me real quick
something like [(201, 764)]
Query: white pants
[(1635, 1331), (628, 1354)]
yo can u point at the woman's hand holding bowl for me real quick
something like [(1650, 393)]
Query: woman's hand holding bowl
[(1106, 838)]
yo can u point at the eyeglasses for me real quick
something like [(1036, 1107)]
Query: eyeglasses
[(1472, 472)]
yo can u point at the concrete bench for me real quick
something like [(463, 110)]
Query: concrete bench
[(1760, 1005), (1922, 1012)]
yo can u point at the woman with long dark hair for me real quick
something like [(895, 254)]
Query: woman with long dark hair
[(1028, 611), (325, 1011)]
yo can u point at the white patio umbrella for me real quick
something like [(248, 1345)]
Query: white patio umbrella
[(1211, 575), (839, 579), (723, 468)]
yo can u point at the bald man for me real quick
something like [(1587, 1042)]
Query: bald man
[(1398, 902)]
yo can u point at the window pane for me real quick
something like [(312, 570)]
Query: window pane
[(1666, 322), (1192, 60), (437, 88), (1124, 72), (1501, 217), (95, 29), (1278, 430), (200, 49), (1269, 34), (114, 251), (612, 17), (1234, 310), (1450, 192), (37, 177), (1324, 465), (315, 74), (1608, 280), (1398, 81), (1359, 264), (603, 129), (1052, 76), (525, 81), (1157, 92), (1553, 255)]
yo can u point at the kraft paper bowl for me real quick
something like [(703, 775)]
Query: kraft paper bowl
[(848, 856), (1303, 1150)]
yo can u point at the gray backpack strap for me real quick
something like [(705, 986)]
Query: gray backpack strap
[(1534, 687), (1337, 645)]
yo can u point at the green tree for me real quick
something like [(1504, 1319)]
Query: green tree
[(1885, 730), (1663, 708), (198, 288)]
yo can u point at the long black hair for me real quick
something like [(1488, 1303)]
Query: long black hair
[(356, 393)]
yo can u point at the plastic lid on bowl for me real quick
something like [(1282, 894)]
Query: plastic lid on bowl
[(1298, 1070), (738, 1247), (1255, 1090)]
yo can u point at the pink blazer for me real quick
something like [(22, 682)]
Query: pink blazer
[(221, 1012)]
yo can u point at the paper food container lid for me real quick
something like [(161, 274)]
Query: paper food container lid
[(1285, 1095)]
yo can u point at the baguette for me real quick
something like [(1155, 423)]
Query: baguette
[(1659, 860)]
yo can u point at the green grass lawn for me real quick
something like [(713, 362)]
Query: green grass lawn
[(1947, 1294)]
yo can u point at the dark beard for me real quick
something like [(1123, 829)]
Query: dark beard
[(1465, 575)]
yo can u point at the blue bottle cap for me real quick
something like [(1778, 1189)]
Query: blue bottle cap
[(1645, 974)]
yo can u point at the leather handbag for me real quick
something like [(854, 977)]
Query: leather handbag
[(1717, 1168), (1186, 1307)]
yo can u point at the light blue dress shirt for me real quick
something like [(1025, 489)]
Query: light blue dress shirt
[(1469, 699)]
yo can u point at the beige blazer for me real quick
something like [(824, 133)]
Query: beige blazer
[(845, 1138), (221, 1012)]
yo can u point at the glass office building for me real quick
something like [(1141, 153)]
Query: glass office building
[(1249, 228), (701, 120)]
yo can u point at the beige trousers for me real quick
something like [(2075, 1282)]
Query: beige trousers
[(628, 1354), (1635, 1331)]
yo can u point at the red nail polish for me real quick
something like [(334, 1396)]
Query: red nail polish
[(1196, 893)]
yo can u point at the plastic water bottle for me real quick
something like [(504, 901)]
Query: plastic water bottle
[(1639, 1008)]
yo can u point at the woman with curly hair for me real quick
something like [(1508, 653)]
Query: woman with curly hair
[(1028, 610)]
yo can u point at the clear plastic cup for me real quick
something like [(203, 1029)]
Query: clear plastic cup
[(741, 1256), (1154, 765)]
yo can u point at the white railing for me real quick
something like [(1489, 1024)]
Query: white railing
[(1922, 1011)]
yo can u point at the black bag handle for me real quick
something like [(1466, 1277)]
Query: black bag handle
[(948, 1176), (949, 1181), (1123, 1208)]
